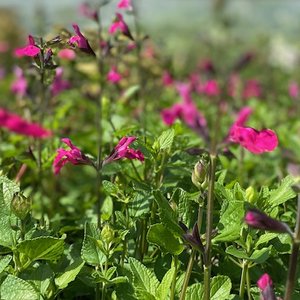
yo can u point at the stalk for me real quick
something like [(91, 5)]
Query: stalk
[(243, 279), (187, 275), (290, 283), (173, 285)]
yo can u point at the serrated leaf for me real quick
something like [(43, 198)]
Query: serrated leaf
[(165, 140), (195, 292), (159, 235), (42, 248), (14, 288), (90, 251), (220, 287), (164, 287), (9, 189), (167, 215), (109, 187), (283, 193), (143, 278), (4, 262), (69, 274), (144, 295)]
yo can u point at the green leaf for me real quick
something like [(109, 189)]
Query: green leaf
[(14, 288), (239, 253), (9, 189), (110, 188), (265, 238), (220, 287), (128, 93), (260, 256), (159, 235), (167, 215), (164, 287), (90, 251), (195, 292), (4, 262), (143, 278), (69, 274), (41, 248), (283, 193), (165, 140)]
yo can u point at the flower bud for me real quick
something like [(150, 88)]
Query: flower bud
[(199, 175), (107, 234), (265, 284), (193, 238), (259, 220), (21, 206), (250, 194)]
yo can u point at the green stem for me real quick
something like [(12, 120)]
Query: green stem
[(173, 285), (187, 275), (97, 293), (248, 282), (209, 226), (290, 283), (243, 279)]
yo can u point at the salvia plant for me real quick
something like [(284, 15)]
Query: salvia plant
[(123, 178)]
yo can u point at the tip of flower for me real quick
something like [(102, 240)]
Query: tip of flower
[(264, 281)]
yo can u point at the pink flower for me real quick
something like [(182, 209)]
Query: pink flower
[(18, 125), (294, 90), (19, 85), (211, 88), (233, 85), (87, 11), (125, 4), (167, 79), (80, 41), (265, 284), (207, 66), (120, 25), (113, 76), (251, 139), (73, 156), (59, 84), (251, 89), (30, 50), (122, 150), (67, 54)]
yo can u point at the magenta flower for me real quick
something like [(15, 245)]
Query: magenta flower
[(67, 54), (30, 50), (73, 156), (167, 79), (80, 41), (18, 125), (211, 88), (120, 25), (265, 285), (125, 4), (294, 90), (87, 11), (251, 139), (59, 84), (122, 150), (114, 76), (259, 220), (251, 89), (19, 85)]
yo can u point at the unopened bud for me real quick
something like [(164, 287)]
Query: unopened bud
[(107, 234), (265, 284), (250, 194), (259, 220), (21, 206), (199, 175)]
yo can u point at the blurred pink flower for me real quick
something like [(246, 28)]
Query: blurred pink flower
[(233, 85), (125, 4), (294, 90), (19, 85), (18, 125), (30, 50), (167, 79), (251, 89), (207, 66), (251, 139), (59, 84), (120, 25), (80, 41), (265, 285), (67, 54), (73, 156), (4, 46), (114, 76), (122, 150), (87, 11), (211, 88)]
